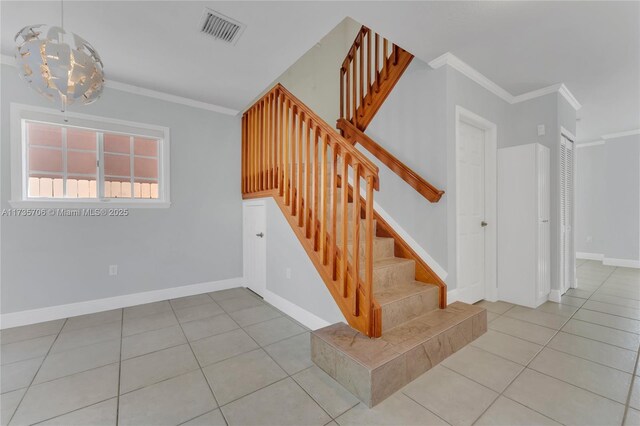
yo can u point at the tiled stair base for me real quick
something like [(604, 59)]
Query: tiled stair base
[(373, 369)]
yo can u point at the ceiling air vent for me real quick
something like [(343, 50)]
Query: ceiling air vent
[(220, 27)]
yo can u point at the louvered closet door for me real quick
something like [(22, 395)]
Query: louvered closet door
[(567, 255)]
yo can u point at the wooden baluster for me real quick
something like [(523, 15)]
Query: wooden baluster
[(385, 48), (251, 149), (361, 81), (353, 93), (307, 182), (344, 195), (323, 199), (301, 119), (272, 141), (348, 92), (334, 210), (396, 52), (368, 277), (267, 142), (342, 93), (377, 68), (263, 155), (295, 136), (356, 236), (369, 64), (280, 144), (285, 157), (314, 210)]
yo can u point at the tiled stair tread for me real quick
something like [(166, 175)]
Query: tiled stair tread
[(382, 245), (403, 290), (373, 353), (412, 333), (390, 262)]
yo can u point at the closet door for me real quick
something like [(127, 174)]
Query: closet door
[(567, 255)]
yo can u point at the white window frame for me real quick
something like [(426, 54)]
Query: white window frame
[(20, 114)]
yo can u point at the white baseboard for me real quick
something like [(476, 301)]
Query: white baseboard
[(626, 263), (555, 296), (32, 316), (299, 314), (589, 256), (439, 270)]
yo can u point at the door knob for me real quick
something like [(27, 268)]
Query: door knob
[(260, 235), (483, 223)]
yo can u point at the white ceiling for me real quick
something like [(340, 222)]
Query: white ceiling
[(592, 47)]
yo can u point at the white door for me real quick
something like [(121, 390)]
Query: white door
[(470, 164), (544, 226), (567, 254), (255, 247)]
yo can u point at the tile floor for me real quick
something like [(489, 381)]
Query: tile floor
[(229, 358)]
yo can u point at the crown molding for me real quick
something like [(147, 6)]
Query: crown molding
[(137, 90), (621, 134), (588, 144), (466, 69)]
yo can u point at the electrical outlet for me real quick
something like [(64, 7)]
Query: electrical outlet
[(589, 238), (287, 273), (113, 269), (541, 130)]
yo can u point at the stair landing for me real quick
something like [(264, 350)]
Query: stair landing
[(373, 369)]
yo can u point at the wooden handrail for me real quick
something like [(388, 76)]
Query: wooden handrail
[(290, 153), (368, 74), (353, 134)]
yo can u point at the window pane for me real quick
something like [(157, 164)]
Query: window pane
[(117, 165), (45, 160), (143, 188), (146, 147), (44, 134), (145, 167), (117, 188), (81, 162), (81, 187), (42, 185), (81, 139), (116, 143)]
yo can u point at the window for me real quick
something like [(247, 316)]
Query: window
[(87, 160)]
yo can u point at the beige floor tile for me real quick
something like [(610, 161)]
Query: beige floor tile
[(189, 301), (506, 412), (212, 418), (603, 334), (26, 332), (292, 354), (210, 326), (170, 402), (396, 410), (197, 312), (633, 418), (18, 374), (230, 293), (604, 381), (146, 323), (8, 403), (268, 332), (557, 309), (283, 403), (147, 309), (498, 307), (523, 329), (577, 292), (152, 341), (72, 339), (634, 400), (563, 402), (91, 320), (100, 414), (328, 393), (222, 346), (79, 359), (237, 303), (239, 376), (60, 396), (537, 317), (255, 314), (612, 356), (572, 301), (613, 321), (492, 316), (451, 396), (607, 308), (509, 347), (483, 367), (629, 303), (26, 349), (157, 366)]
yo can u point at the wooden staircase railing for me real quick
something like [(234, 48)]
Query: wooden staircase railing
[(368, 74), (290, 153), (354, 135)]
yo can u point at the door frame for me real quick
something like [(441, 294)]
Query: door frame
[(463, 115), (245, 265), (574, 284)]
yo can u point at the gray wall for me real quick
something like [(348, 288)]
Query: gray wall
[(50, 261), (591, 230)]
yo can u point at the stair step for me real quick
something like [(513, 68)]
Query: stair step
[(373, 369), (383, 248), (404, 302), (392, 272)]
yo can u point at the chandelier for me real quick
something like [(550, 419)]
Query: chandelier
[(61, 66)]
